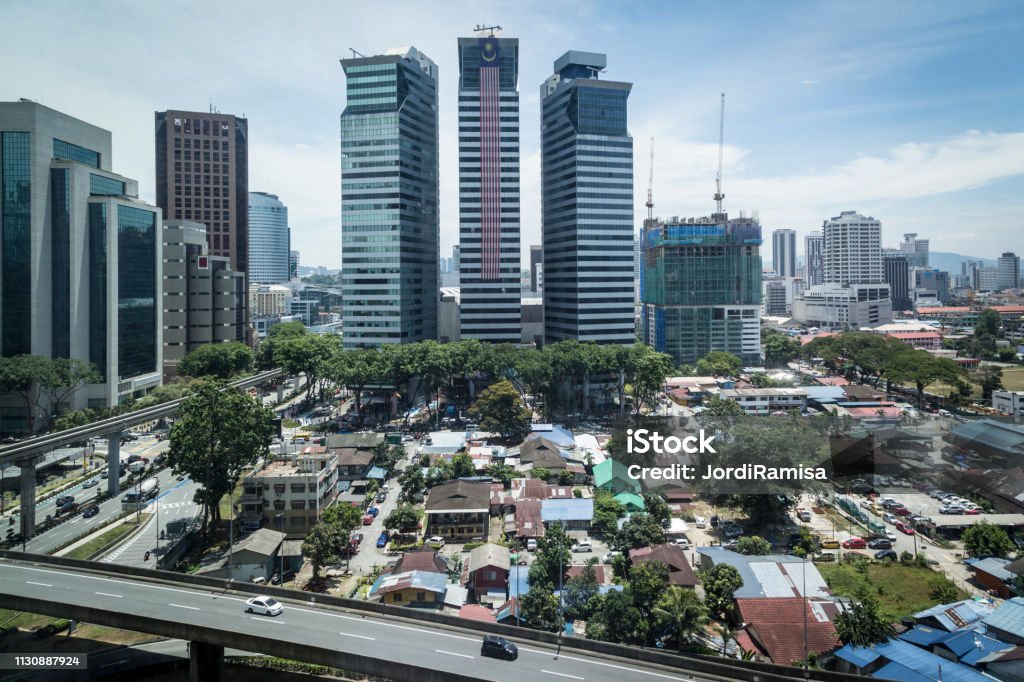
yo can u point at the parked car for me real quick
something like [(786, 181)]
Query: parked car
[(900, 511), (381, 497), (830, 544), (373, 511), (973, 511), (382, 541), (682, 542), (732, 530), (531, 544), (436, 540), (367, 519), (855, 543), (889, 517), (268, 606), (886, 554), (288, 577), (610, 556), (951, 509), (905, 528), (890, 534), (880, 543), (583, 546), (499, 647), (700, 522)]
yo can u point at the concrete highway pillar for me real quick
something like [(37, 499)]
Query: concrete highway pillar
[(28, 495), (280, 392), (205, 662), (114, 463)]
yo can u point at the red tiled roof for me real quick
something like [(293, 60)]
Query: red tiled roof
[(943, 309), (477, 612), (528, 519), (833, 381), (420, 560), (671, 555), (578, 570), (776, 626)]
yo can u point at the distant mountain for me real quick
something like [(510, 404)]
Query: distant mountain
[(950, 262)]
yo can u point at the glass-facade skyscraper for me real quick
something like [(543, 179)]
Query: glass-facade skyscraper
[(80, 260), (389, 199), (587, 203), (784, 253), (702, 288), (489, 259), (269, 239)]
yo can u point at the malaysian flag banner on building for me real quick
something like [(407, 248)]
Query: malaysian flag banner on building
[(490, 161)]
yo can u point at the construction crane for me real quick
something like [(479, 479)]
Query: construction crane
[(721, 141), (480, 28), (650, 186)]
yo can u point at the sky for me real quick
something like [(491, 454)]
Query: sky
[(910, 112)]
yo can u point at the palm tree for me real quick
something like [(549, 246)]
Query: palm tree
[(727, 634), (682, 614)]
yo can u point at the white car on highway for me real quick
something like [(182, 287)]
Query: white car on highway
[(268, 606)]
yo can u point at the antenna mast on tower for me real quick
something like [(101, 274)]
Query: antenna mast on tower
[(480, 28), (721, 140), (650, 186)]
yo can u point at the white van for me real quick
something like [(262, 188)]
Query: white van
[(700, 522), (531, 545)]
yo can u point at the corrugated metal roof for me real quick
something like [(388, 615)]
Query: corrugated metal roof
[(901, 673), (567, 510), (1009, 617), (914, 664)]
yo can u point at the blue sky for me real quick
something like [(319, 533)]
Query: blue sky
[(907, 111)]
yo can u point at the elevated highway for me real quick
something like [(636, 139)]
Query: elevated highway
[(389, 642), (24, 454)]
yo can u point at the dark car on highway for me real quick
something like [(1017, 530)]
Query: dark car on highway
[(499, 647), (90, 512)]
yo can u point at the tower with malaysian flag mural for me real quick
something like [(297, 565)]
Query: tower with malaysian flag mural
[(489, 264)]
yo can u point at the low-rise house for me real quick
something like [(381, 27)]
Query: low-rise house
[(574, 514), (992, 574), (966, 613), (680, 572), (613, 476), (528, 520), (764, 401), (899, 660), (487, 569), (254, 556), (769, 576), (458, 509), (424, 559), (416, 589), (1006, 622), (290, 488), (631, 501), (353, 463), (776, 627)]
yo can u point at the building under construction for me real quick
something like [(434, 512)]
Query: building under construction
[(701, 287)]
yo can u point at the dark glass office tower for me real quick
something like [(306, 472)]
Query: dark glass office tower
[(389, 199), (489, 261), (587, 204)]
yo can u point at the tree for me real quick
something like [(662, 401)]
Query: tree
[(719, 363), (990, 378), (412, 483), (646, 374), (65, 377), (720, 582), (614, 618), (641, 530), (539, 609), (323, 545), (720, 408), (753, 545), (807, 545), (985, 539), (500, 409), (502, 472), (681, 615), (944, 591), (863, 625), (439, 473), (552, 558), (540, 473), (462, 466), (566, 477), (218, 432), (580, 593), (404, 517), (220, 360), (26, 376), (779, 348), (607, 512), (647, 582), (922, 368), (986, 331), (346, 516), (658, 509)]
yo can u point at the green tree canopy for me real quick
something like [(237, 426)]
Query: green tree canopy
[(720, 582), (412, 482), (614, 619), (462, 466), (640, 530), (404, 517), (719, 363), (539, 609), (323, 545), (681, 615), (986, 539), (218, 360), (657, 508), (753, 545), (218, 432), (502, 472), (552, 558), (500, 409), (779, 348), (863, 625), (347, 516)]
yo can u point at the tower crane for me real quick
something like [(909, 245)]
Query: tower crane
[(650, 186), (721, 141)]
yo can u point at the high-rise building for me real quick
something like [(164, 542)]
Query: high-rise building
[(389, 199), (80, 261), (269, 239), (932, 279), (201, 297), (202, 175), (784, 253), (489, 266), (916, 250), (1008, 271), (702, 287), (293, 264), (455, 258), (853, 249), (775, 299), (536, 260), (895, 269), (587, 203), (814, 258)]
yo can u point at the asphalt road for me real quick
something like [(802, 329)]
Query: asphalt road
[(447, 650)]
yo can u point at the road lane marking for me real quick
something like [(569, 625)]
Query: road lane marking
[(349, 634), (32, 582), (391, 625), (552, 672), (263, 619), (609, 665), (108, 594), (452, 653), (182, 606)]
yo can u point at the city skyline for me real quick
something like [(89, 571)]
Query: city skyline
[(912, 122)]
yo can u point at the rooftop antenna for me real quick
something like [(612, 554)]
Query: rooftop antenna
[(481, 28), (355, 53), (721, 141), (650, 186)]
